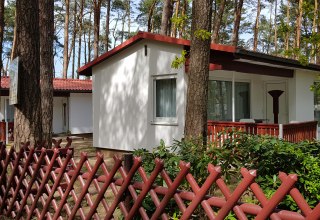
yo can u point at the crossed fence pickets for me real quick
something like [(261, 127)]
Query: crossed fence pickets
[(52, 184)]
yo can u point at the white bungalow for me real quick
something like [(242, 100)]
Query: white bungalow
[(139, 99), (72, 106)]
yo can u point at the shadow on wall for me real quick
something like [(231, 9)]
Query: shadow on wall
[(126, 102)]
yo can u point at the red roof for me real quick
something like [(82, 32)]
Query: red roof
[(59, 84), (86, 69), (221, 55)]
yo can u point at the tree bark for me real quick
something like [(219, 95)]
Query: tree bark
[(167, 8), (46, 25), (89, 37), (27, 126), (150, 14), (275, 27), (287, 23), (96, 26), (66, 40), (14, 42), (298, 25), (318, 31), (1, 33), (74, 35), (176, 14), (106, 44), (237, 19), (80, 34), (198, 77), (256, 27), (217, 25), (314, 29)]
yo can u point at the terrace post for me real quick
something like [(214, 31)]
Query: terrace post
[(280, 131), (275, 95)]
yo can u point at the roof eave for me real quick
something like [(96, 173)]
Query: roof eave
[(261, 57)]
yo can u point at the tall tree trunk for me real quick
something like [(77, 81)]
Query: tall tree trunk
[(318, 32), (237, 19), (129, 15), (74, 35), (150, 15), (14, 42), (89, 37), (27, 126), (85, 48), (270, 30), (167, 7), (275, 27), (256, 27), (198, 77), (46, 25), (218, 22), (80, 18), (183, 14), (176, 14), (298, 25), (66, 40), (314, 31), (123, 21), (287, 23), (1, 33), (96, 26), (106, 44)]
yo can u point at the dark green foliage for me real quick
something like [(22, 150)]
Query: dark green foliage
[(266, 154)]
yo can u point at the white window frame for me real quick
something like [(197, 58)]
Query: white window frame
[(163, 120)]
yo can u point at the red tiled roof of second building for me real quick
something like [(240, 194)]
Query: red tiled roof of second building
[(59, 84)]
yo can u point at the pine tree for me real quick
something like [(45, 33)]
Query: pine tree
[(46, 25), (27, 126), (197, 93)]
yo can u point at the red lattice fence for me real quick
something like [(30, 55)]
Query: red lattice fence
[(51, 184)]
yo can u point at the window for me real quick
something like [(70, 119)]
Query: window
[(220, 100), (165, 99)]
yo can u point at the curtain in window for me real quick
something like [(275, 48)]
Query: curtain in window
[(165, 98), (220, 100)]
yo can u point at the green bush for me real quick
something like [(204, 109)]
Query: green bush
[(268, 155)]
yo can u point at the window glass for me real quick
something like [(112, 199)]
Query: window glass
[(220, 100), (242, 100), (165, 98)]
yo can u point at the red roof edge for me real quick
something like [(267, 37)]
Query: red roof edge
[(87, 69)]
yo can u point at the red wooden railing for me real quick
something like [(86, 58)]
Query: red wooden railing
[(48, 184), (294, 132)]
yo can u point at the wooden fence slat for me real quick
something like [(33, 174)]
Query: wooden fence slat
[(47, 177)]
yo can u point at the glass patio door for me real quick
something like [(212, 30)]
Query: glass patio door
[(221, 98)]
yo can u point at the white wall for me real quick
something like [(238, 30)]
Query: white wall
[(301, 101), (123, 98), (57, 122), (80, 113)]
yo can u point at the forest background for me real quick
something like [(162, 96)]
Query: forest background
[(84, 29)]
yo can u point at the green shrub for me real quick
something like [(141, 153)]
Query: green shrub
[(268, 155)]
